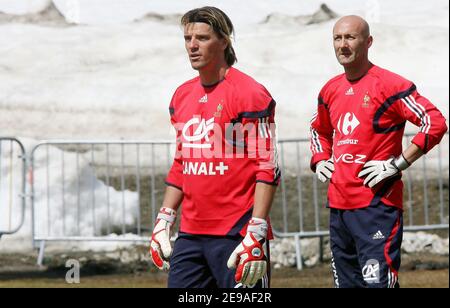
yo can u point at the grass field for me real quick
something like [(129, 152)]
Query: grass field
[(418, 271), (287, 278)]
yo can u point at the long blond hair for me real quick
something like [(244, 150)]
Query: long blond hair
[(220, 23)]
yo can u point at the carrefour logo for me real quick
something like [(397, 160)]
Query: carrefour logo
[(347, 123), (200, 137)]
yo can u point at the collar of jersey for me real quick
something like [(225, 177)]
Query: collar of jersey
[(213, 85)]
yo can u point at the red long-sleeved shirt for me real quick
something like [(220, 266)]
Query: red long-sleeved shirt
[(212, 123), (364, 120)]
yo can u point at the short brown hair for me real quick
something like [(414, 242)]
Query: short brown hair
[(220, 23)]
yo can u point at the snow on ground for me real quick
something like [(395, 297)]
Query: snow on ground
[(113, 78), (76, 202)]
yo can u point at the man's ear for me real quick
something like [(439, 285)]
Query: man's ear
[(369, 41), (224, 43)]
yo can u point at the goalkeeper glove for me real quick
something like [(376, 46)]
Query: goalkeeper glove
[(376, 171), (248, 258), (325, 169), (160, 247)]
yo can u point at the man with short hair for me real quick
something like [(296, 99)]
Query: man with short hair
[(356, 142), (224, 173)]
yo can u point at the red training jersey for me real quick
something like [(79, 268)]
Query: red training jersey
[(364, 120), (225, 145)]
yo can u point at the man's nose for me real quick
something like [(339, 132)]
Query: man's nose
[(193, 44), (343, 43)]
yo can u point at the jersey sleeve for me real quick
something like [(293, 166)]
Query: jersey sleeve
[(321, 134), (175, 176), (259, 115), (422, 113)]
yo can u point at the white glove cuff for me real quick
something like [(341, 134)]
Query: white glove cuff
[(167, 214), (258, 226), (401, 163)]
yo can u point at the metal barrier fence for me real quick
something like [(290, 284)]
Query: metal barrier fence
[(12, 185), (88, 190), (301, 198)]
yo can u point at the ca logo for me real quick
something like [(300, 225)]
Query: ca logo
[(371, 271), (201, 133)]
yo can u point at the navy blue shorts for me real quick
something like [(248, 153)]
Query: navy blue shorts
[(365, 246), (200, 261)]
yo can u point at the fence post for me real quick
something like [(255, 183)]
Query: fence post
[(298, 252), (22, 194)]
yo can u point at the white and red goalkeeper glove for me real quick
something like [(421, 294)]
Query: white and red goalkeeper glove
[(376, 171), (160, 247), (248, 258), (324, 170)]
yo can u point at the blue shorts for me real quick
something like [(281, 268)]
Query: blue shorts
[(365, 246), (200, 261)]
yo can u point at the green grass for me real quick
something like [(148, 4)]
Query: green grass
[(317, 277), (419, 270)]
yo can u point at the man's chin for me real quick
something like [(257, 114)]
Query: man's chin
[(343, 60), (196, 66), (346, 62)]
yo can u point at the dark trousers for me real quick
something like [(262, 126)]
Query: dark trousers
[(365, 246), (200, 261)]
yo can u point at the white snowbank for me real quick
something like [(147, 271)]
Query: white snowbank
[(75, 203), (114, 78), (424, 242)]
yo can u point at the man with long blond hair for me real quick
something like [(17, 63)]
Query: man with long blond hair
[(224, 174)]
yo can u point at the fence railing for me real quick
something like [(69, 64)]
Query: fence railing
[(12, 185), (88, 190), (299, 209), (96, 190)]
